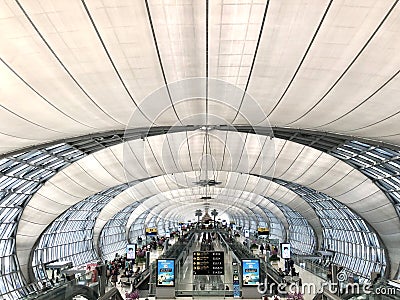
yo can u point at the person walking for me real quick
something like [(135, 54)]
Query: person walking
[(262, 248), (114, 275)]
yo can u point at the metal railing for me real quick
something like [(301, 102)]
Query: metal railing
[(112, 294), (310, 266), (36, 289), (242, 252)]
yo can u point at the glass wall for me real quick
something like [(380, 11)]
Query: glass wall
[(354, 243), (380, 164), (70, 236), (276, 228), (301, 234), (113, 237), (20, 177)]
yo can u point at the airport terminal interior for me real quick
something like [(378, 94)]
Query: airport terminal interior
[(199, 149)]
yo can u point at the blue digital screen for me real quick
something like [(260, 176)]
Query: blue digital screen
[(251, 271), (165, 272)]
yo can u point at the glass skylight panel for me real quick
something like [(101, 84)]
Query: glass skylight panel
[(347, 228), (22, 175)]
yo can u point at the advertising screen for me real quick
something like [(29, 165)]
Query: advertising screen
[(251, 272), (131, 251), (285, 250), (165, 272)]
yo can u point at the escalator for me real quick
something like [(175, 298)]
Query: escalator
[(68, 292)]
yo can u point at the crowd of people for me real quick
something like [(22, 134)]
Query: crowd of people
[(121, 267)]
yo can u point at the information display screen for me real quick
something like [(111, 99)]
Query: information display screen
[(208, 263), (263, 231), (250, 272), (151, 231), (165, 272), (131, 251), (285, 250)]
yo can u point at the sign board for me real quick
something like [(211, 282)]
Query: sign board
[(250, 272), (165, 272), (208, 263), (131, 251), (285, 250), (263, 231), (151, 231), (236, 282)]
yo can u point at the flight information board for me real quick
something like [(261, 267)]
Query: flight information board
[(208, 263)]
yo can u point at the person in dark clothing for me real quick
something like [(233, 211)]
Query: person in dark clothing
[(291, 264), (262, 248), (329, 275)]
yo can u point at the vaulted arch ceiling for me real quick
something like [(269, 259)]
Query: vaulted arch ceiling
[(139, 159), (74, 68), (96, 55)]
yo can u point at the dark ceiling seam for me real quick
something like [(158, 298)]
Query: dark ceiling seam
[(41, 96), (62, 64), (276, 158), (155, 158), (377, 122), (293, 161), (87, 173), (213, 168), (176, 166), (207, 67), (134, 154), (241, 153), (348, 67), (313, 163), (126, 170), (338, 180), (170, 151), (17, 137), (28, 121), (259, 155), (160, 60), (302, 60), (223, 154), (358, 105), (188, 148), (112, 62), (322, 175), (77, 183), (253, 62), (108, 172)]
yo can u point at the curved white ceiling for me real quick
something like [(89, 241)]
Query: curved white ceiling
[(77, 67), (70, 68), (294, 162)]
